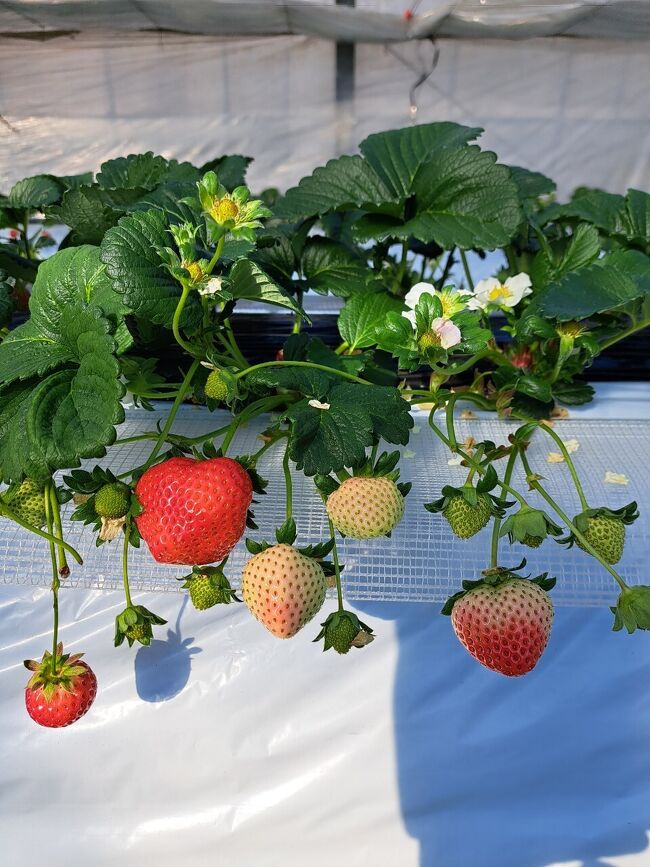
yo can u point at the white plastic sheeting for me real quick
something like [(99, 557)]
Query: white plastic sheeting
[(221, 745), (363, 20), (578, 110)]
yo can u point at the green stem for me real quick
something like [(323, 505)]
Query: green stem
[(28, 251), (217, 253), (55, 577), (449, 262), (7, 513), (477, 457), (471, 461), (468, 273), (373, 453), (569, 463), (638, 326), (288, 483), (337, 568), (535, 485), (309, 364), (265, 404), (177, 321), (64, 569), (342, 348), (125, 564), (507, 476), (172, 413), (449, 414), (238, 355), (401, 270), (258, 454)]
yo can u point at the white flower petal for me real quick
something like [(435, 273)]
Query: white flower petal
[(616, 478), (416, 292), (518, 286), (410, 315), (318, 405)]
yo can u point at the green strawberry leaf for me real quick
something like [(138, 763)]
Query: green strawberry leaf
[(531, 185), (247, 280), (634, 218), (34, 193), (87, 212), (611, 282), (397, 155), (463, 198), (70, 414), (70, 288), (346, 181), (130, 252), (324, 440), (134, 171), (594, 206), (331, 267), (363, 314)]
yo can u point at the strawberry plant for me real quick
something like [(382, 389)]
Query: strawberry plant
[(161, 250)]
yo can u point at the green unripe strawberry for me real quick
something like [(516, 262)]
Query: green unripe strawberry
[(26, 502), (343, 630), (465, 519), (365, 507), (343, 634), (208, 586), (607, 536), (113, 500), (215, 386)]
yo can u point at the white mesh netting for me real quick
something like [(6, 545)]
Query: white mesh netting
[(422, 561)]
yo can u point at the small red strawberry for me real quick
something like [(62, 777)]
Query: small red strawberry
[(503, 620), (58, 695), (283, 589), (193, 511)]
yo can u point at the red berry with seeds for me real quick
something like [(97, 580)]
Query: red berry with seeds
[(194, 512), (283, 588), (506, 625), (58, 695)]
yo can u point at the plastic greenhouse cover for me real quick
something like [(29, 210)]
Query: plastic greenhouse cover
[(220, 745), (365, 21), (577, 110)]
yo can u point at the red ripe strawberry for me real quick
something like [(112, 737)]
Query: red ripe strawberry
[(194, 512), (283, 588), (58, 696), (505, 626)]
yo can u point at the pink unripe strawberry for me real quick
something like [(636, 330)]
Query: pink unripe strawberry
[(283, 589), (504, 626), (364, 507)]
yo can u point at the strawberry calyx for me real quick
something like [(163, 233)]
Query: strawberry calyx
[(529, 526), (343, 630), (470, 493), (494, 577), (55, 672), (384, 467), (136, 623), (632, 609), (625, 515), (316, 552)]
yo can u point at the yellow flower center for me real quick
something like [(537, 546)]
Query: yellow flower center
[(428, 340), (499, 293), (195, 270), (224, 209), (570, 329)]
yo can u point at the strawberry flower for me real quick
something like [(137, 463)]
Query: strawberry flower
[(451, 301), (492, 292), (229, 212)]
